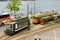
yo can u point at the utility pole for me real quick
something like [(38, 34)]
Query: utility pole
[(31, 11), (34, 8), (27, 10), (28, 16), (52, 11)]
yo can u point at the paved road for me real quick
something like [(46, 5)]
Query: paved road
[(2, 28), (53, 34), (49, 34)]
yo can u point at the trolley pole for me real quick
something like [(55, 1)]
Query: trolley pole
[(28, 16), (31, 11), (34, 8)]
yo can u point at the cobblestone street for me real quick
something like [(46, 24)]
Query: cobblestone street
[(53, 34), (37, 31), (2, 28)]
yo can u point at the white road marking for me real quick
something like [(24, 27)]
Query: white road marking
[(55, 35)]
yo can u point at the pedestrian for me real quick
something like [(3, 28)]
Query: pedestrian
[(35, 39), (39, 38)]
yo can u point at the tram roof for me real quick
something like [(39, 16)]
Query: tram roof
[(16, 21)]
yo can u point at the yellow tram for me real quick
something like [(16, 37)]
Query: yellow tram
[(42, 18)]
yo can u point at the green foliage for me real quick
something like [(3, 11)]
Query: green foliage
[(14, 5)]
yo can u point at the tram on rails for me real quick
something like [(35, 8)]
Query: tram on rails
[(45, 18), (17, 24)]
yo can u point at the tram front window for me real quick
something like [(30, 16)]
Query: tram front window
[(11, 26)]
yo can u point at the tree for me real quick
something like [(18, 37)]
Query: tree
[(14, 5)]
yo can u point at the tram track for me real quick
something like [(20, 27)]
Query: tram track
[(20, 34), (6, 37), (35, 31), (2, 36), (41, 31)]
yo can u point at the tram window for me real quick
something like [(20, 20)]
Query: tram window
[(22, 23), (18, 24), (9, 26), (26, 22), (12, 26)]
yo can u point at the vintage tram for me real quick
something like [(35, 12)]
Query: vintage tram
[(42, 18), (16, 25), (35, 20), (56, 17), (46, 17)]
